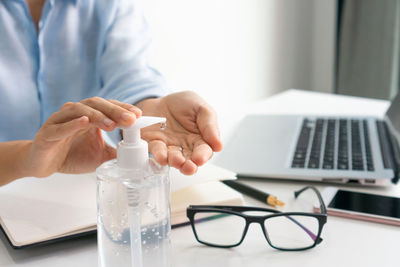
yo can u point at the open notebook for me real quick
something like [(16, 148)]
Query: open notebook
[(36, 211)]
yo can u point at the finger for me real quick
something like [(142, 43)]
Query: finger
[(187, 153), (175, 157), (116, 113), (61, 131), (188, 168), (132, 108), (202, 152), (208, 125), (109, 152), (73, 110), (159, 151)]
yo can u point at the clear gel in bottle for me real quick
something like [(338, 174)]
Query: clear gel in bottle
[(133, 203)]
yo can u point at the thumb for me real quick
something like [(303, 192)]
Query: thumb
[(208, 125), (109, 152), (63, 130)]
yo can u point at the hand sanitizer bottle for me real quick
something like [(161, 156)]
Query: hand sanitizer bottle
[(133, 205)]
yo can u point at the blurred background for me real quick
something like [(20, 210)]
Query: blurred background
[(234, 52)]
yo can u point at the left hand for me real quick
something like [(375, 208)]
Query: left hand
[(191, 135)]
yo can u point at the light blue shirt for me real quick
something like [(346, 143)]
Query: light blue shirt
[(83, 48)]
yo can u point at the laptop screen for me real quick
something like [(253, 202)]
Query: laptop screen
[(393, 113)]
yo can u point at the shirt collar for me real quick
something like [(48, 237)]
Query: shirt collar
[(52, 1)]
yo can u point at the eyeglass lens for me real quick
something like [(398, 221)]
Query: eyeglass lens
[(221, 229), (291, 232)]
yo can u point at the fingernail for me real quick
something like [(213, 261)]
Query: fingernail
[(108, 122), (83, 118), (127, 116), (138, 112)]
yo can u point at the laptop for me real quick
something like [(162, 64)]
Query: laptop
[(345, 149)]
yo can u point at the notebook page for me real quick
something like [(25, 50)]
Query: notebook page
[(34, 210), (206, 173), (211, 193)]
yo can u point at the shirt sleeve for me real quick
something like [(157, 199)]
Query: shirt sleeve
[(125, 73)]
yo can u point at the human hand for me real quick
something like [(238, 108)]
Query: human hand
[(70, 141), (191, 135)]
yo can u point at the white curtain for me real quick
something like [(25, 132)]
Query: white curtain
[(368, 48)]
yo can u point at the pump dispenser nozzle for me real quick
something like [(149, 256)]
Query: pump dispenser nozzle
[(132, 151)]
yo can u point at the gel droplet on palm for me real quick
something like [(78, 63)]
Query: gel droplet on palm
[(163, 126)]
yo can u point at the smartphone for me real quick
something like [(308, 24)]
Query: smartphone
[(362, 206)]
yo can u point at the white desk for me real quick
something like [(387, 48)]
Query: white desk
[(346, 242)]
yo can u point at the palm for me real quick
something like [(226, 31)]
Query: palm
[(181, 131), (188, 139)]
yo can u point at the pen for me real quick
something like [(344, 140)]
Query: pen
[(254, 193)]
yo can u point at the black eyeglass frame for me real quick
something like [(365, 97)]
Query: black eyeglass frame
[(238, 210)]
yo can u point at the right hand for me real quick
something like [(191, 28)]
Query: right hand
[(70, 141)]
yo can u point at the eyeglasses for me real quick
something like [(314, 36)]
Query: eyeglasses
[(289, 231)]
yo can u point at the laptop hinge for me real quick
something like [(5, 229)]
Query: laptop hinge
[(396, 157), (394, 151)]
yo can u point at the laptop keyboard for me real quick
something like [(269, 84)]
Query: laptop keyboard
[(332, 144)]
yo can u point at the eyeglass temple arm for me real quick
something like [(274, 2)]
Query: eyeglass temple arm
[(322, 210), (321, 201), (311, 234)]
